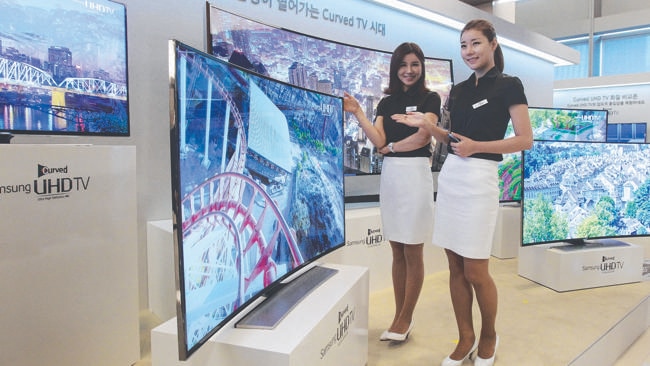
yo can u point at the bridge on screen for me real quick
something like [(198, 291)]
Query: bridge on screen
[(26, 86)]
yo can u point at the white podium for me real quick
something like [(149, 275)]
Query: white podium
[(507, 234), (68, 254), (328, 327), (573, 268)]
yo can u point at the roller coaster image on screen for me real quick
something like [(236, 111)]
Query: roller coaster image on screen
[(258, 187)]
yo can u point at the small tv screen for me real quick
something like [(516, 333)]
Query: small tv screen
[(319, 64), (257, 186), (627, 132), (577, 191), (550, 124), (63, 68)]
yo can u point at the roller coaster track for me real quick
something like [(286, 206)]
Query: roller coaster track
[(232, 198)]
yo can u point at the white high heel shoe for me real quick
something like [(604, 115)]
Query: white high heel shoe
[(489, 361), (448, 361), (396, 337)]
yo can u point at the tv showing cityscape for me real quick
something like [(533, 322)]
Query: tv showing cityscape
[(577, 191), (257, 186), (322, 65), (63, 67), (550, 124)]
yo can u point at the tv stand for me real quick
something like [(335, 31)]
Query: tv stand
[(279, 303), (328, 327), (587, 244), (595, 263)]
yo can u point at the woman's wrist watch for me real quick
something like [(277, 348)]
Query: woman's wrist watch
[(390, 147)]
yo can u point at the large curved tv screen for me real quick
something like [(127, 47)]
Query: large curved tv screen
[(550, 124), (322, 65), (257, 186), (576, 191), (63, 68)]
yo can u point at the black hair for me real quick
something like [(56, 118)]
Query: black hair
[(488, 31), (395, 85)]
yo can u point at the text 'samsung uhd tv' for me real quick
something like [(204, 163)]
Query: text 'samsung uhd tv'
[(257, 186), (63, 68), (320, 64), (579, 192)]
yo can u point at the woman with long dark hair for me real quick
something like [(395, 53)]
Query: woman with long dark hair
[(406, 183)]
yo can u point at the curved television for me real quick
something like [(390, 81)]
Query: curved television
[(63, 68), (257, 186), (319, 64), (550, 124), (579, 192)]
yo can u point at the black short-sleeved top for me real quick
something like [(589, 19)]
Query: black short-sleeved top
[(481, 112), (397, 103)]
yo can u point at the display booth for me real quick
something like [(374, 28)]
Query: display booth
[(69, 275), (328, 327), (564, 267)]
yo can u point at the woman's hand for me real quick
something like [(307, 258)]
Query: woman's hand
[(350, 103), (413, 119), (466, 147)]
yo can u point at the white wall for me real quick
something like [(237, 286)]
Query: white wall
[(561, 18), (151, 24)]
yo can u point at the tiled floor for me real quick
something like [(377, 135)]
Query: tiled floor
[(537, 325)]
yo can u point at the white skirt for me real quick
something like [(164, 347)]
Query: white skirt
[(467, 205), (406, 200)]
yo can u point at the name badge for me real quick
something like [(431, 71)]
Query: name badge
[(480, 104), (413, 108)]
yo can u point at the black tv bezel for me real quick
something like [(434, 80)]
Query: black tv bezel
[(63, 133), (184, 351), (577, 241), (362, 198)]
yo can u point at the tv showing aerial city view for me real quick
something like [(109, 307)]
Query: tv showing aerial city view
[(319, 64), (579, 191), (63, 67), (555, 124)]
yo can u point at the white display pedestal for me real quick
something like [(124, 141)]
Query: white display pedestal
[(587, 267), (161, 268), (328, 327), (68, 253), (507, 234), (366, 247)]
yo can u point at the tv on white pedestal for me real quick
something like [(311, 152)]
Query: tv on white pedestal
[(564, 267), (328, 327)]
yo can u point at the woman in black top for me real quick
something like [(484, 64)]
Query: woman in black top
[(406, 184), (468, 193)]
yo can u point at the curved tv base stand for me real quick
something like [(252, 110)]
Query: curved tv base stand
[(566, 267), (328, 327)]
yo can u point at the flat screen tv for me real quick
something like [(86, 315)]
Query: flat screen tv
[(579, 192), (257, 186), (550, 124), (63, 68), (627, 132), (319, 64)]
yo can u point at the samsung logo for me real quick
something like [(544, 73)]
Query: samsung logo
[(44, 170)]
